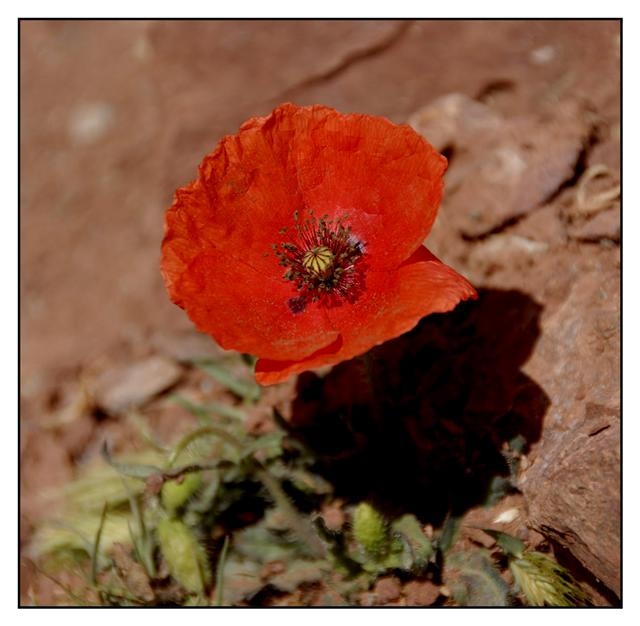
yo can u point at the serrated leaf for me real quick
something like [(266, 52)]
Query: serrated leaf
[(257, 543), (269, 446), (419, 544), (242, 579)]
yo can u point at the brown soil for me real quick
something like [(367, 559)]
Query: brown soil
[(116, 114)]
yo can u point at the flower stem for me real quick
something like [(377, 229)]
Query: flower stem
[(299, 525)]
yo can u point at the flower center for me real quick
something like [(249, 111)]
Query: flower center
[(323, 259), (319, 261)]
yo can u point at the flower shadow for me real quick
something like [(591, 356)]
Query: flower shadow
[(421, 423)]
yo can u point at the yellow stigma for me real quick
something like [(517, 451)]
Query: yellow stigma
[(318, 261)]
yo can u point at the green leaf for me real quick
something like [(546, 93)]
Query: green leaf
[(259, 544), (220, 572), (338, 550), (242, 579), (205, 411), (517, 444), (448, 534), (419, 544), (499, 487), (510, 545), (130, 470), (142, 540), (269, 446), (96, 546), (247, 390), (473, 580)]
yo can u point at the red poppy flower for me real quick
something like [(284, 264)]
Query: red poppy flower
[(301, 240)]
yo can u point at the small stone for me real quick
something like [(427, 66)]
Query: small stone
[(508, 516), (543, 55), (125, 388), (387, 589), (333, 516), (522, 161), (449, 119), (421, 593), (504, 250), (90, 122)]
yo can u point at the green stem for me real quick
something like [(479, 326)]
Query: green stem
[(298, 524), (196, 434)]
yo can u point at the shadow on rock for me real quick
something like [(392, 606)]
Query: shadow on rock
[(422, 422)]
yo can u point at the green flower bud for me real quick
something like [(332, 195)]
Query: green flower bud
[(176, 493), (184, 554), (371, 531)]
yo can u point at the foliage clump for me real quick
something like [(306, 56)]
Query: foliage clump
[(224, 517)]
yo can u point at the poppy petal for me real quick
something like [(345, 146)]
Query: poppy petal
[(242, 307), (392, 304), (255, 318), (385, 177)]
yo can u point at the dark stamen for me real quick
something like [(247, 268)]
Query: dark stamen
[(323, 259)]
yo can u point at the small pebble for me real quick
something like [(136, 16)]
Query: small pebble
[(90, 122)]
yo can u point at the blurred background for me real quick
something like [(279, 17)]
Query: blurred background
[(115, 115)]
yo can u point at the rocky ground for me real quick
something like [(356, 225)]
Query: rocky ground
[(116, 114)]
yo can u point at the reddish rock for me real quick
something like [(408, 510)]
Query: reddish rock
[(602, 227), (504, 168), (387, 590), (448, 121), (421, 593), (123, 388), (333, 515), (573, 485), (48, 469)]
